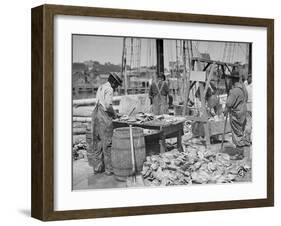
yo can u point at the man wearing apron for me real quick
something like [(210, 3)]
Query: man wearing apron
[(158, 94), (236, 105), (102, 127)]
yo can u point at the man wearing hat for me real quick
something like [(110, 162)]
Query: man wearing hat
[(102, 127), (236, 106)]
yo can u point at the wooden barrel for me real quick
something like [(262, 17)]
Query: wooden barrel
[(121, 157)]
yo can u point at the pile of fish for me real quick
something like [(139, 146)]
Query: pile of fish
[(140, 118), (192, 166), (147, 117), (79, 149)]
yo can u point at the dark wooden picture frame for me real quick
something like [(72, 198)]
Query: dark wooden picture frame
[(42, 203)]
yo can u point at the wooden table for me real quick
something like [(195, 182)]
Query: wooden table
[(166, 130)]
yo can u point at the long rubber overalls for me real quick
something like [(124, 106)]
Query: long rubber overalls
[(237, 104), (159, 97)]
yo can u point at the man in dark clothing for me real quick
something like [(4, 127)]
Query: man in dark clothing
[(236, 106)]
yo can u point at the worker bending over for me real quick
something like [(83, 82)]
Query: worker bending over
[(102, 127)]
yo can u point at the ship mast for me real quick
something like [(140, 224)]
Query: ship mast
[(250, 59), (124, 67), (187, 49), (160, 57)]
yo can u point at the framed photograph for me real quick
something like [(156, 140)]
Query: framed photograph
[(142, 112)]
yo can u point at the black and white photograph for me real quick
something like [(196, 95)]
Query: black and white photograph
[(140, 112), (160, 112)]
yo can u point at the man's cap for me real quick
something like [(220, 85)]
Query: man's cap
[(116, 78)]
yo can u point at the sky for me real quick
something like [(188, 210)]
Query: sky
[(99, 48), (109, 49)]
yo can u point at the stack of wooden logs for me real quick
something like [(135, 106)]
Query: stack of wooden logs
[(80, 126), (81, 119)]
